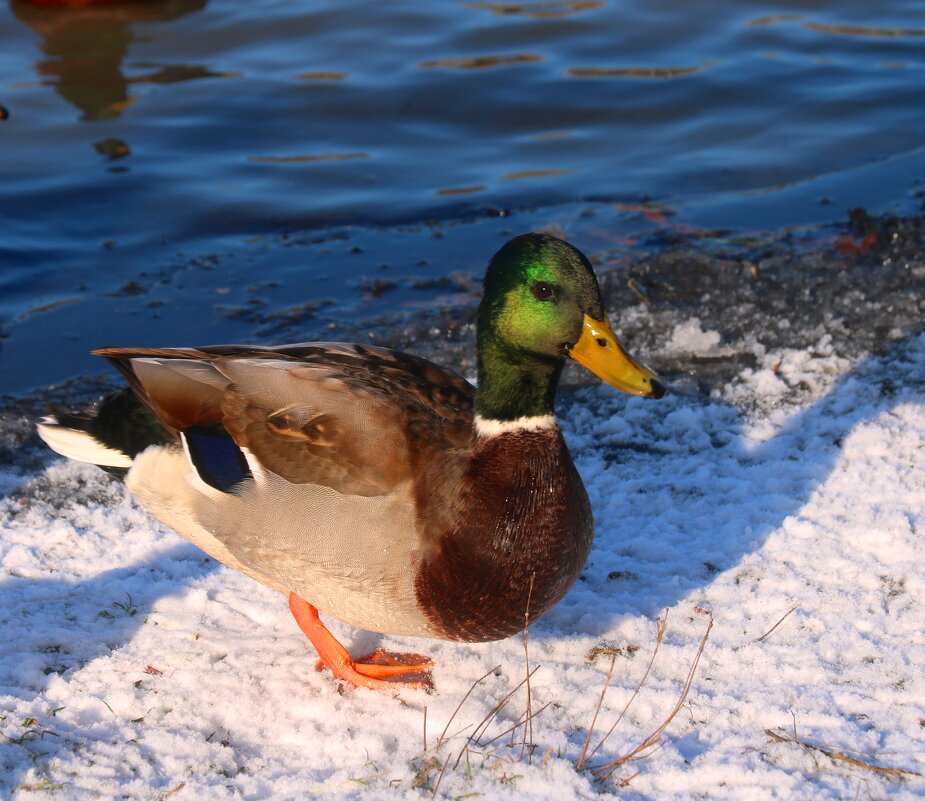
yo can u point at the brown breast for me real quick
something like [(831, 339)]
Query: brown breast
[(522, 512)]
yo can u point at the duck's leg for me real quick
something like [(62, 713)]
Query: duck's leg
[(375, 675)]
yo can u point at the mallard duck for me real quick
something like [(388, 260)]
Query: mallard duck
[(374, 485)]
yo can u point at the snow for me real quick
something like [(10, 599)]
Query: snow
[(131, 666), (690, 337)]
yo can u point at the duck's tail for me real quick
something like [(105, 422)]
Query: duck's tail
[(109, 436), (80, 445)]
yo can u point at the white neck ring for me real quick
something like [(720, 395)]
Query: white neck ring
[(486, 427)]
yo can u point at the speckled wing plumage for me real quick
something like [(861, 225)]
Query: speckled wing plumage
[(319, 413)]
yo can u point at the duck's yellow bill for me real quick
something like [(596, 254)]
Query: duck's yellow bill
[(600, 351)]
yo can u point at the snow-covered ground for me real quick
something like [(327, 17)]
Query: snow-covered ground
[(133, 667)]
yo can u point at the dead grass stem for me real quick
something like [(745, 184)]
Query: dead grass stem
[(528, 724), (651, 742), (840, 756), (475, 684), (661, 626), (478, 741), (783, 618)]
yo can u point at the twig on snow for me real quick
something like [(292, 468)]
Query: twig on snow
[(785, 616), (841, 756)]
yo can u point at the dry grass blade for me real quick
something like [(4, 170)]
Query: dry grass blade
[(523, 716), (661, 626), (625, 780), (475, 684), (770, 630), (841, 756), (607, 770), (495, 710), (440, 777), (517, 725), (584, 750), (528, 723)]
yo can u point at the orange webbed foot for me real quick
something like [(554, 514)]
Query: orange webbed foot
[(381, 670)]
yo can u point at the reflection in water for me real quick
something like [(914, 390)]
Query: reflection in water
[(836, 29), (520, 175), (549, 136), (322, 76), (461, 190), (84, 49), (479, 62), (633, 72), (541, 10), (178, 73), (308, 159), (860, 30), (112, 148), (772, 19)]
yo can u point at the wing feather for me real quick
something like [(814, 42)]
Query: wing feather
[(354, 418)]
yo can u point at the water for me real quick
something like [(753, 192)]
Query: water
[(170, 162)]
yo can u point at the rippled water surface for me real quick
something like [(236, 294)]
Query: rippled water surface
[(200, 138)]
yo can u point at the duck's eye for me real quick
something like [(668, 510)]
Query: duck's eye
[(543, 291)]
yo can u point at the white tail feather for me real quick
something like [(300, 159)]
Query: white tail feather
[(79, 445)]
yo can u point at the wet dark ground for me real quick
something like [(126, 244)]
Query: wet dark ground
[(859, 286)]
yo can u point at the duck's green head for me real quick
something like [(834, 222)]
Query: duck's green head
[(542, 305)]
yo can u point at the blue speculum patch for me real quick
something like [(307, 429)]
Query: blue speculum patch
[(217, 458)]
